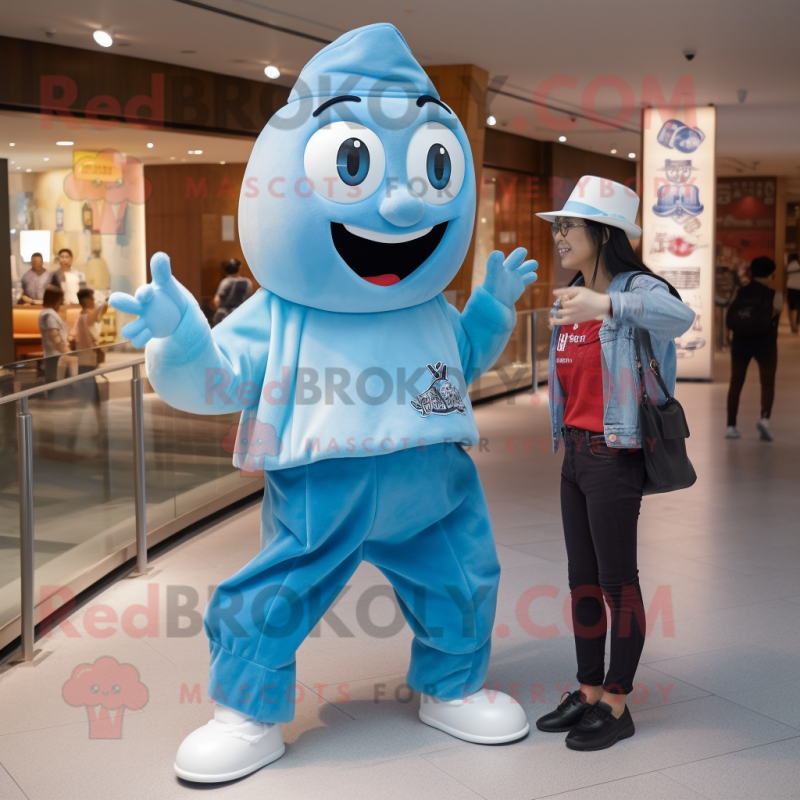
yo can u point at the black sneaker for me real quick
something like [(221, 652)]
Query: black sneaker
[(568, 714), (599, 729)]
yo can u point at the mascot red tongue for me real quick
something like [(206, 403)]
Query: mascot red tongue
[(383, 280)]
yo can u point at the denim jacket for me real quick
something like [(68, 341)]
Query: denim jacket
[(648, 304)]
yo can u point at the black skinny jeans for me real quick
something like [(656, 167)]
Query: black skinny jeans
[(601, 493), (767, 361)]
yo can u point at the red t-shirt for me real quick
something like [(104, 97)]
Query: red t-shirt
[(580, 374)]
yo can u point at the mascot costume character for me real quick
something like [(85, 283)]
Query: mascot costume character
[(351, 372)]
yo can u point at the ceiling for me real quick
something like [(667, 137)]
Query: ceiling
[(522, 44), (35, 148)]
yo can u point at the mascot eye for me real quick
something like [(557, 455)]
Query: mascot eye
[(352, 162), (436, 163), (439, 166), (345, 162)]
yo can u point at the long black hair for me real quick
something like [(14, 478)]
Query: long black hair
[(614, 248)]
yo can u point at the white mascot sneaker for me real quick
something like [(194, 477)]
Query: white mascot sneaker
[(230, 746), (481, 718)]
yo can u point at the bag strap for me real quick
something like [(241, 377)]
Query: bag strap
[(642, 342), (672, 290)]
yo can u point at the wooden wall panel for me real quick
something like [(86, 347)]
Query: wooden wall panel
[(571, 164), (509, 151), (463, 88), (183, 218), (190, 99), (518, 197), (7, 349)]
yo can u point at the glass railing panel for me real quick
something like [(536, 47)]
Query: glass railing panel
[(83, 478), (542, 338), (83, 469), (9, 512), (159, 458), (513, 369), (203, 459), (187, 464)]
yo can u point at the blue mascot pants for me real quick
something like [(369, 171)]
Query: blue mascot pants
[(419, 515)]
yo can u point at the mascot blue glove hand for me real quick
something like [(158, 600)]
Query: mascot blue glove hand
[(506, 279), (159, 305)]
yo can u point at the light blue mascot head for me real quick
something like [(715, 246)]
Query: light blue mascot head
[(360, 192)]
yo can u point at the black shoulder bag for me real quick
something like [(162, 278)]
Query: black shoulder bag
[(664, 428)]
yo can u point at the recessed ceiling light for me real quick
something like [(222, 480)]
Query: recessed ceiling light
[(105, 38), (221, 162), (12, 144), (631, 155), (195, 152), (562, 138), (613, 151), (172, 158), (65, 144), (272, 72), (47, 159), (150, 144), (490, 120), (13, 231), (29, 170)]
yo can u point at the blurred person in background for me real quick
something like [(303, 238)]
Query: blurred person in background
[(35, 280), (233, 290), (752, 321), (69, 280), (85, 334), (793, 290), (86, 331)]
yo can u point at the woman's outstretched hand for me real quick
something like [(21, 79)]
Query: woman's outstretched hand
[(580, 304), (159, 305)]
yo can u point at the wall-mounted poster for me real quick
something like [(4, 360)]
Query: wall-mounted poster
[(678, 220)]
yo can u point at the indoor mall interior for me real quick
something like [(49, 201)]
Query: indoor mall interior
[(430, 460)]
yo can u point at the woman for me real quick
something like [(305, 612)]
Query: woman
[(594, 391)]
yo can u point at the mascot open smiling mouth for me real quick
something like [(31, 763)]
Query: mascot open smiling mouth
[(351, 373)]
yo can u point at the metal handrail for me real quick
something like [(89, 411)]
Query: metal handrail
[(65, 381)]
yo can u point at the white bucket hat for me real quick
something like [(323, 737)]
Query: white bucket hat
[(604, 201)]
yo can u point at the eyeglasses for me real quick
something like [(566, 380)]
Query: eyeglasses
[(563, 227)]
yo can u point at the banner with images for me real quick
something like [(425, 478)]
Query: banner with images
[(678, 220)]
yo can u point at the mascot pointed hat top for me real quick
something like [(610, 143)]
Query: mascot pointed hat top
[(373, 61)]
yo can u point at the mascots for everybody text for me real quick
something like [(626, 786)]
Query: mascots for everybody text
[(350, 369)]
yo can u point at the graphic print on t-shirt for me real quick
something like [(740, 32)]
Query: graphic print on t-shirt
[(580, 374)]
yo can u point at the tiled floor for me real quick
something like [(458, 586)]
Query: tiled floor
[(716, 705)]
